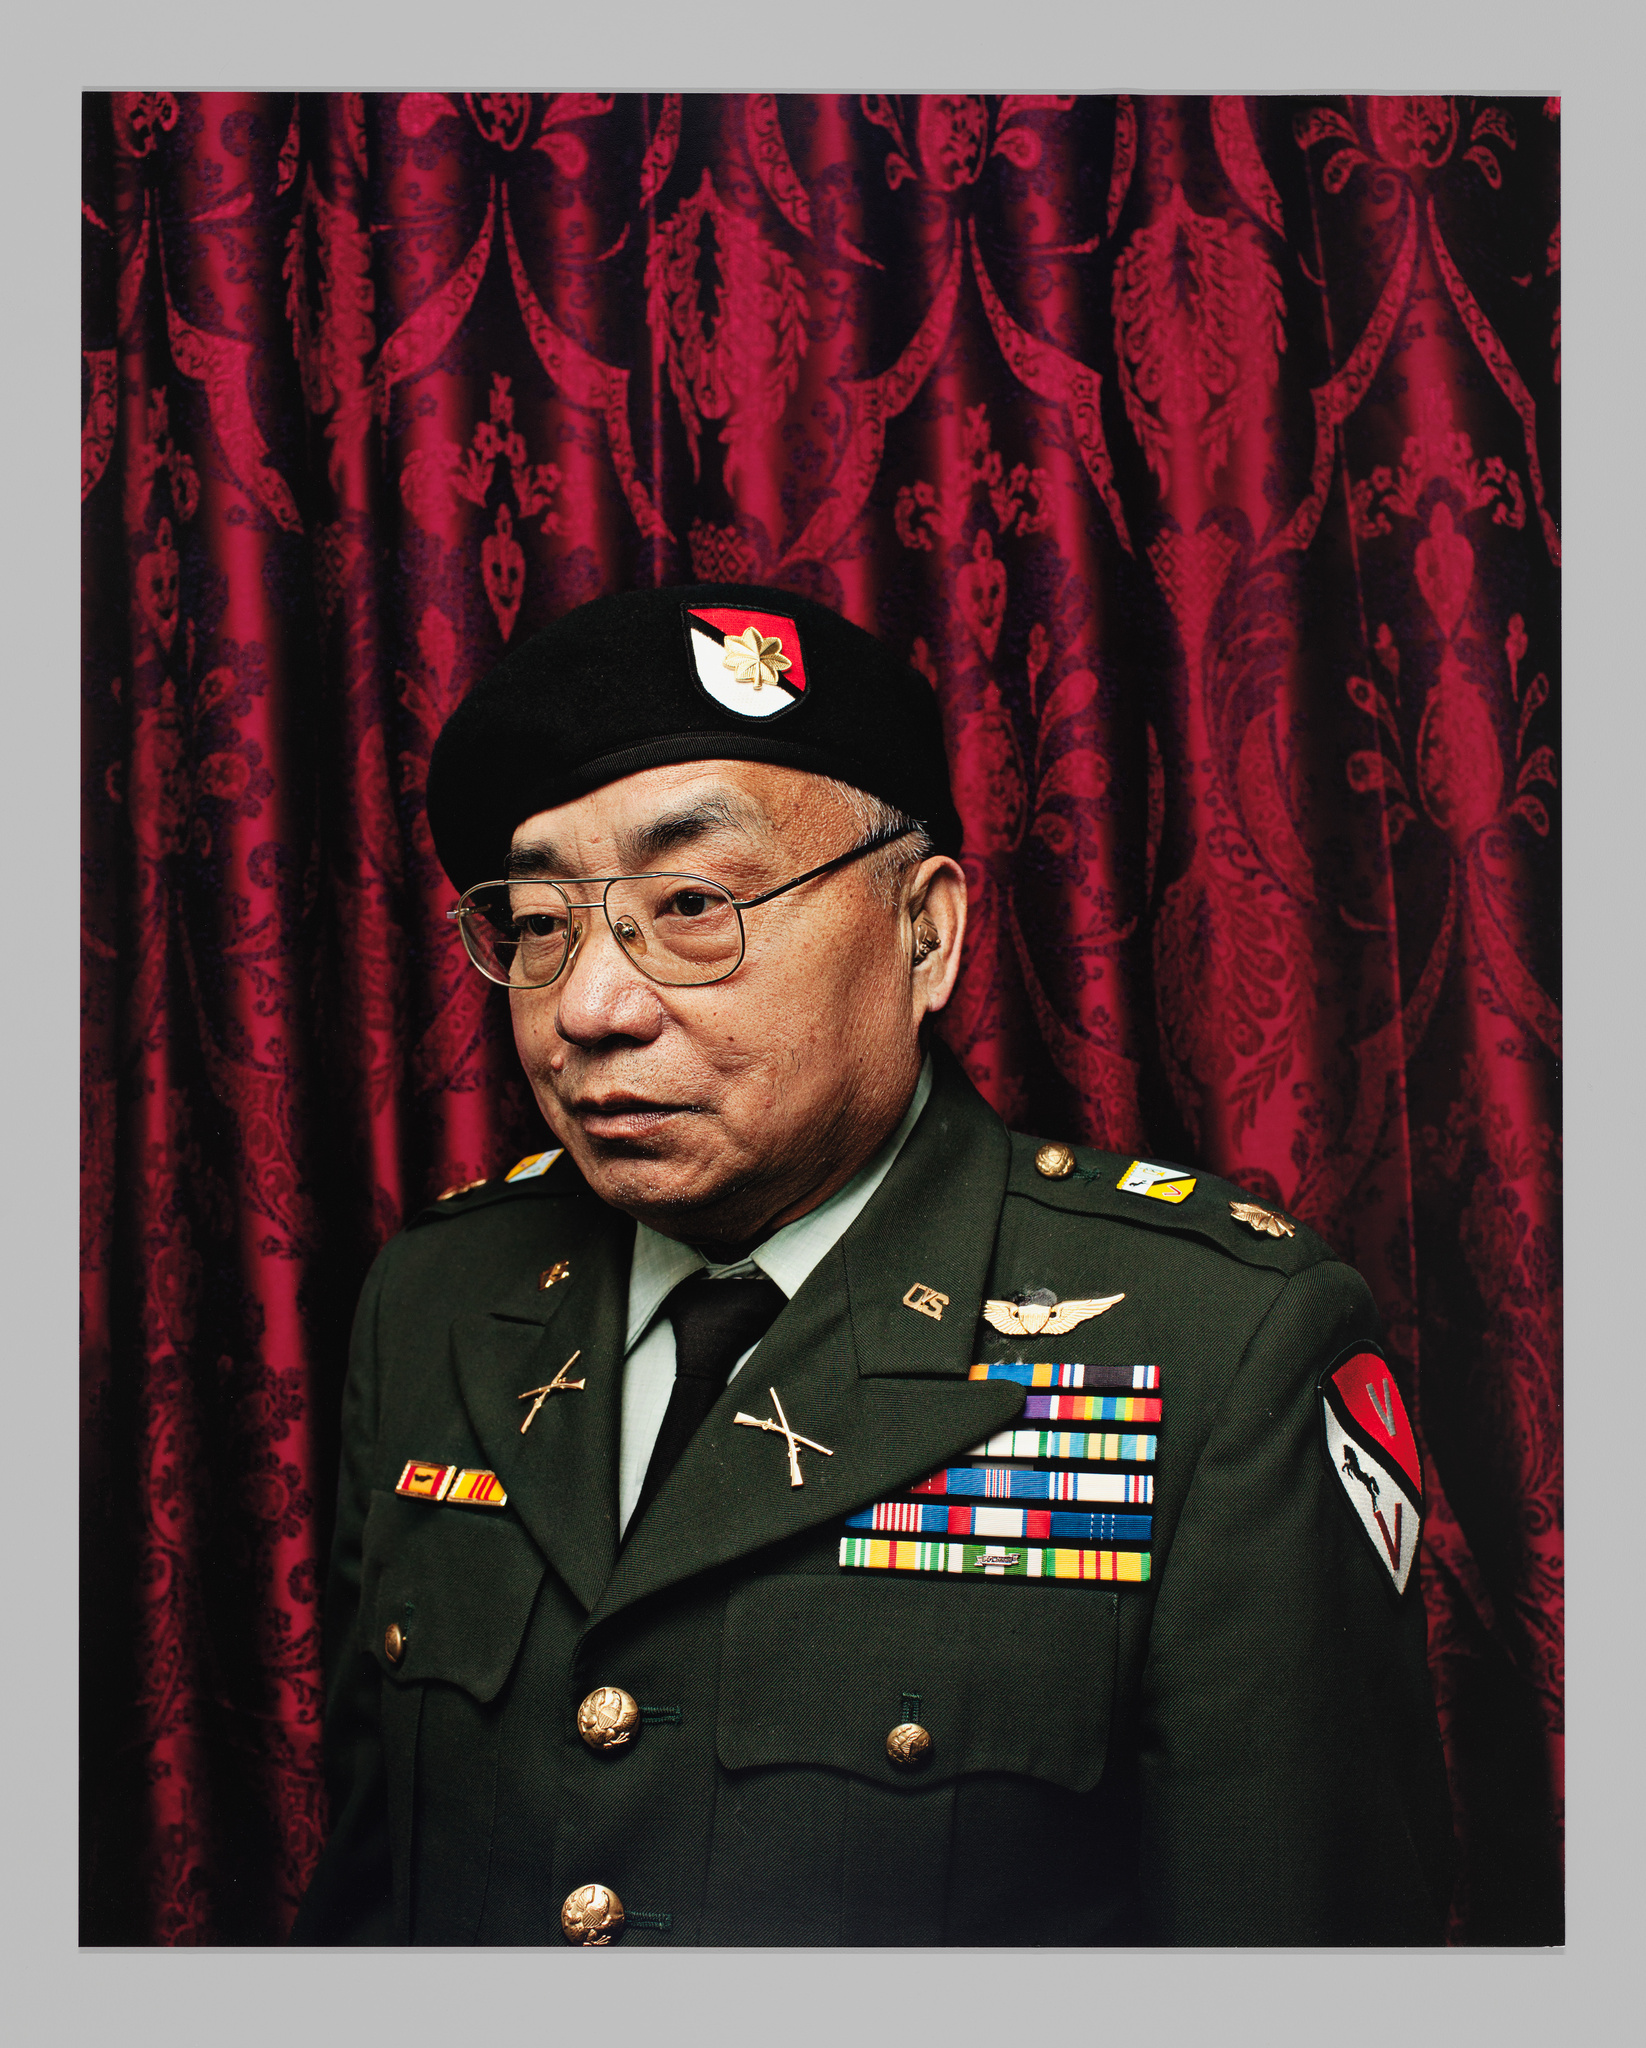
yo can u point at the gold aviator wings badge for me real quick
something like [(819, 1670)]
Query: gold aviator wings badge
[(1039, 1313)]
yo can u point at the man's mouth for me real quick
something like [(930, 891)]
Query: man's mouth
[(620, 1117)]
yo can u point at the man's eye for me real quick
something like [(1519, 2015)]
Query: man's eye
[(687, 903), (542, 924)]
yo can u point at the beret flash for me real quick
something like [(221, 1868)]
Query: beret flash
[(693, 672)]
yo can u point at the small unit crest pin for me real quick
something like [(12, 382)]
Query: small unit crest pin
[(1159, 1183)]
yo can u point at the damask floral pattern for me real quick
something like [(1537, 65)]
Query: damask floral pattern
[(1202, 453)]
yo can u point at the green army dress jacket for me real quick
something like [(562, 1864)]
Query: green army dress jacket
[(1241, 1750)]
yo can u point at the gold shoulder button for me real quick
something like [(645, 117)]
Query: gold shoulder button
[(1054, 1162), (462, 1187)]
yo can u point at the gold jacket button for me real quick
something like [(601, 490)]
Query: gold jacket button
[(908, 1743), (607, 1719), (1054, 1162), (394, 1642), (591, 1916)]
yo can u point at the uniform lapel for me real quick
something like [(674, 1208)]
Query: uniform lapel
[(880, 1382), (561, 1475)]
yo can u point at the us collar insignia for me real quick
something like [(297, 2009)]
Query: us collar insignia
[(1371, 1448), (1160, 1183), (1039, 1313), (748, 662), (1264, 1221), (926, 1301)]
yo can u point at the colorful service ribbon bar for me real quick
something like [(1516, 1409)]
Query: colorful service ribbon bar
[(1137, 1377), (451, 1483), (1044, 1525), (425, 1482), (1091, 1408), (1089, 1446), (477, 1490), (1010, 1482), (991, 1560)]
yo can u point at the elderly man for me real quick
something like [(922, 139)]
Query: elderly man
[(790, 1508)]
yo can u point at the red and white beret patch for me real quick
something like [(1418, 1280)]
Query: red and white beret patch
[(1371, 1448), (748, 662)]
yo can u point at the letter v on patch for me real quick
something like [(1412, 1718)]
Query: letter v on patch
[(1371, 1449)]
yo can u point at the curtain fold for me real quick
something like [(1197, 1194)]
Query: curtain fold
[(1203, 453)]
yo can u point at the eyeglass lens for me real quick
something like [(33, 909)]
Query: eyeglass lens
[(678, 929)]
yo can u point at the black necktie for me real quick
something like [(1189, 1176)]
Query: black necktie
[(715, 1322)]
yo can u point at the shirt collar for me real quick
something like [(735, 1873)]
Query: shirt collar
[(787, 1256)]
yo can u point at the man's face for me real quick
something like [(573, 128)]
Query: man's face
[(718, 1113)]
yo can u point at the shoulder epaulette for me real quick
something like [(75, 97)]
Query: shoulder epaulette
[(1165, 1196), (528, 1176)]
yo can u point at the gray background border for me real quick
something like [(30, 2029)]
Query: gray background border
[(1582, 49)]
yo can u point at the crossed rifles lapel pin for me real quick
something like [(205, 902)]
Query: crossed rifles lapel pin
[(558, 1385), (781, 1428)]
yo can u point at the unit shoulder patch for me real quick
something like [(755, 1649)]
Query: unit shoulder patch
[(1371, 1449)]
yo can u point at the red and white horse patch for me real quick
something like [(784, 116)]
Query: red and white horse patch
[(1370, 1446), (748, 662)]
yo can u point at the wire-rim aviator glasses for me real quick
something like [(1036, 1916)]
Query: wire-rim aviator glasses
[(681, 931)]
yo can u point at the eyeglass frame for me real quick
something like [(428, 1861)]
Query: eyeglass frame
[(873, 844)]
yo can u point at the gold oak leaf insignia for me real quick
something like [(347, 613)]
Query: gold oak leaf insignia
[(754, 659), (1264, 1221), (1042, 1319)]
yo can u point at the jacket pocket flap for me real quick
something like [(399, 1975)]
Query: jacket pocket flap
[(421, 1569), (1008, 1678)]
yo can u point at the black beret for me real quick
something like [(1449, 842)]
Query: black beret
[(693, 672)]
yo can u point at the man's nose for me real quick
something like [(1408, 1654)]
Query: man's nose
[(602, 994)]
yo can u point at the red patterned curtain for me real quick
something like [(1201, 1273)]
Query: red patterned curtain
[(1203, 452)]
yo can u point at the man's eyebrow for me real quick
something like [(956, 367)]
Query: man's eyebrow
[(536, 857), (698, 820), (642, 845)]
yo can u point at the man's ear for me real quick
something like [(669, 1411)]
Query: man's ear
[(934, 907)]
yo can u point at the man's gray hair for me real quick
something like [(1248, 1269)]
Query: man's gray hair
[(872, 814)]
